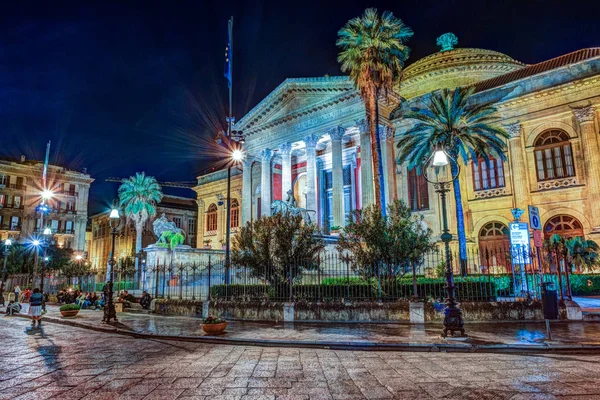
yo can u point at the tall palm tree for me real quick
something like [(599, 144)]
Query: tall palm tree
[(465, 130), (138, 196), (373, 50)]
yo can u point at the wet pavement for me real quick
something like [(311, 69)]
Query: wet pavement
[(72, 363), (531, 335)]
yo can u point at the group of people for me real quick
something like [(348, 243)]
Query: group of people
[(35, 300), (82, 299), (126, 298)]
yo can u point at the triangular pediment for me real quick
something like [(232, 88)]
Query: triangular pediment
[(296, 97)]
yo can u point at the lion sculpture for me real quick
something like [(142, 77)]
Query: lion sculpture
[(162, 225)]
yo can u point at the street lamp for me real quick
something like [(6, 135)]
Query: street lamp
[(7, 244), (109, 307), (441, 170)]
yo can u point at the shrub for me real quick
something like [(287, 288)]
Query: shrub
[(242, 291), (70, 307), (212, 320)]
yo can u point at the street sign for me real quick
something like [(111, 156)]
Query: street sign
[(519, 243), (534, 218), (537, 238)]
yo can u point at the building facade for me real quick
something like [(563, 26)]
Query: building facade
[(309, 136), (20, 194), (181, 210)]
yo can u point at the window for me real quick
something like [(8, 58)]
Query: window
[(177, 221), (20, 182), (2, 200), (553, 155), (54, 225), (69, 227), (488, 174), (15, 223), (17, 201), (191, 226), (235, 214), (418, 191), (1, 221), (211, 218), (70, 206), (563, 225), (3, 179), (493, 245)]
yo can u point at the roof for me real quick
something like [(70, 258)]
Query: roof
[(539, 68)]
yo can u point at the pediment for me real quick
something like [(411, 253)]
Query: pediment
[(296, 97)]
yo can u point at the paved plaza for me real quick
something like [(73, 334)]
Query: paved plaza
[(72, 363)]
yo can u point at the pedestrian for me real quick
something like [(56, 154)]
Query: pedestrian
[(35, 308), (145, 300), (18, 294)]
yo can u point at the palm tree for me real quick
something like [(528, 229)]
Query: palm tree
[(583, 254), (373, 51), (465, 130), (138, 196)]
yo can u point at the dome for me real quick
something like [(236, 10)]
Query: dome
[(453, 68)]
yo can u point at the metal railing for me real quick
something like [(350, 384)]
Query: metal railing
[(492, 274)]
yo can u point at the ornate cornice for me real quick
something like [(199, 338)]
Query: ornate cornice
[(584, 114), (336, 133), (514, 130)]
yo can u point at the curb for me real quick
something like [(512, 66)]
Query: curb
[(356, 346)]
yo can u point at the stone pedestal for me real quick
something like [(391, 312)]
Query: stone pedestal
[(573, 311), (417, 312), (288, 312)]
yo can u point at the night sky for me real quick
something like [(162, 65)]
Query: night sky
[(121, 87)]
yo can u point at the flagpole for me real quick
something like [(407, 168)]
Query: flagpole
[(229, 129)]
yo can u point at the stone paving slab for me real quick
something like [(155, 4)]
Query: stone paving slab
[(493, 337), (74, 363)]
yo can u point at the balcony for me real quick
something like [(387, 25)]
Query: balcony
[(67, 192), (12, 186), (12, 206), (11, 228)]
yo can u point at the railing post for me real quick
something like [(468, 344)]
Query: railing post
[(556, 252), (209, 267), (194, 281), (291, 282)]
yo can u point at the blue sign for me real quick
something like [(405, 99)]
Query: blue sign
[(520, 247), (534, 218)]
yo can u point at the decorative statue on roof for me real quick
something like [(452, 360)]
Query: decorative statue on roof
[(162, 225), (447, 41), (290, 207)]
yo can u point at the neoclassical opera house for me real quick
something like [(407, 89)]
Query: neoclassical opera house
[(309, 135)]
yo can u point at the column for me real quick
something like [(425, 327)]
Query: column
[(200, 224), (286, 169), (311, 173), (589, 144), (247, 189), (265, 181), (386, 135), (337, 175), (366, 165), (518, 169)]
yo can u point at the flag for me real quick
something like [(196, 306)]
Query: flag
[(228, 54)]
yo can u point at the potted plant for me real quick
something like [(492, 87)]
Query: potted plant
[(207, 244), (213, 325), (335, 230), (69, 310)]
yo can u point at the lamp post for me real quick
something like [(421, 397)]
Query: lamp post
[(109, 307), (441, 170), (7, 244), (232, 141)]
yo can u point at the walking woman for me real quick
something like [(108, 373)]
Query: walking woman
[(35, 308)]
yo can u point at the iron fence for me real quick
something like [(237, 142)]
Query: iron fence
[(492, 274)]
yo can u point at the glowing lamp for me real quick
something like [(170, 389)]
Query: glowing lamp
[(47, 231), (237, 155), (36, 242), (440, 159), (46, 259), (114, 214), (7, 242), (47, 194), (79, 257)]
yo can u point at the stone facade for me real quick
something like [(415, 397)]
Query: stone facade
[(310, 134), (181, 210), (20, 193)]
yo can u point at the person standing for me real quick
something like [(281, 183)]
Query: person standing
[(18, 294), (35, 308)]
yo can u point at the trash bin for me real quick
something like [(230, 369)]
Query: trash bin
[(549, 301)]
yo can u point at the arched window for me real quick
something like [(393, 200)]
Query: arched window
[(211, 218), (488, 174), (493, 245), (564, 225), (235, 214), (553, 155)]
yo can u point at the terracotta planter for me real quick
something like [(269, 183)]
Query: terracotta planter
[(214, 329), (70, 313)]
